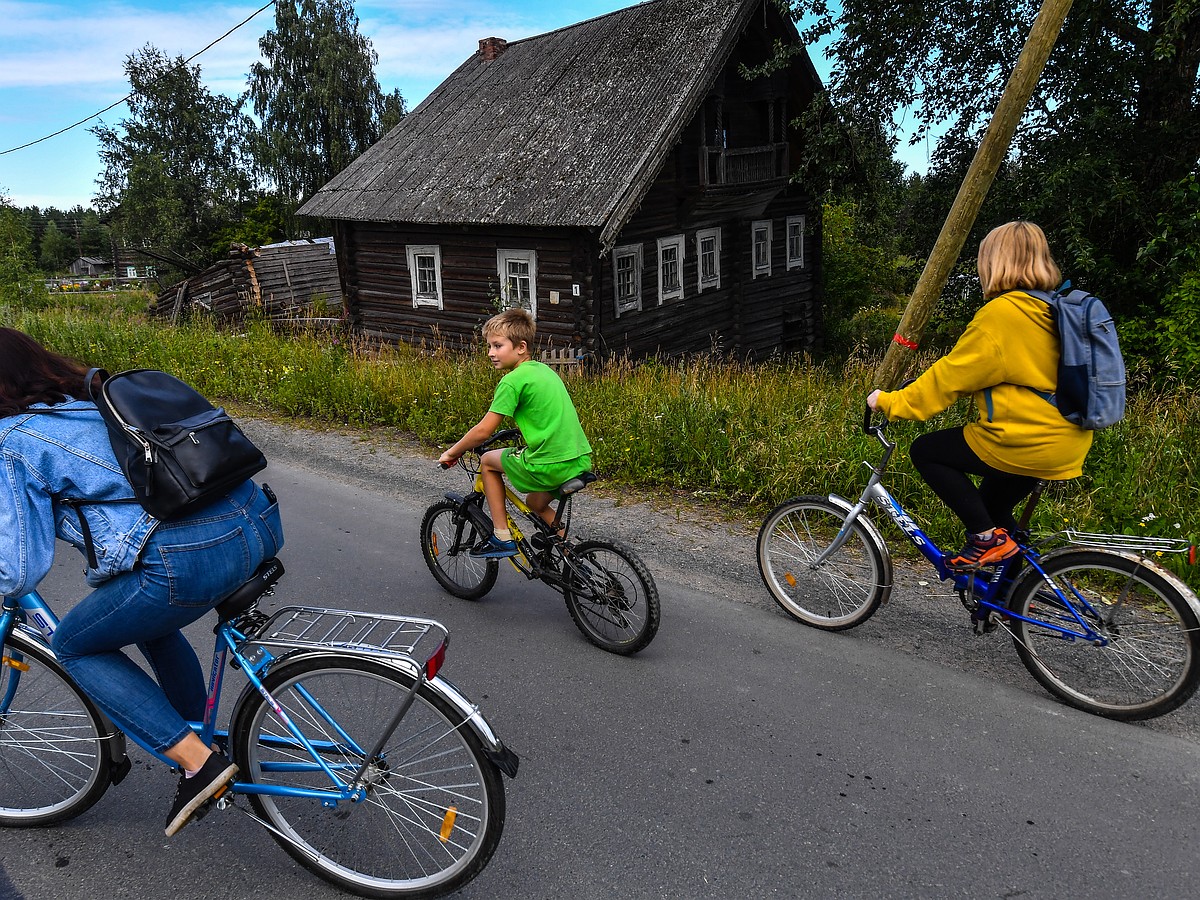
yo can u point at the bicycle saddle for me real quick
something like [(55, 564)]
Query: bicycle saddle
[(578, 483), (247, 595)]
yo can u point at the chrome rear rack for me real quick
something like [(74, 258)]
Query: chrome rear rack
[(377, 634), (1144, 544)]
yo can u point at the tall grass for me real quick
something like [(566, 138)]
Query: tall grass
[(743, 436)]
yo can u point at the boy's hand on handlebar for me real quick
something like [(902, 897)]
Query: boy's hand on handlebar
[(873, 400), (447, 459)]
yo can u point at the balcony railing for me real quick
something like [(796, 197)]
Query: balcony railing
[(743, 165)]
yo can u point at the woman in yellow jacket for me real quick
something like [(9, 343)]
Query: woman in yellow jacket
[(1007, 354)]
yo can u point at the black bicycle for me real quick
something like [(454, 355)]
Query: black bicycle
[(610, 593)]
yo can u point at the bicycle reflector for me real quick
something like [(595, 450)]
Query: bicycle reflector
[(16, 664), (434, 663), (1192, 555)]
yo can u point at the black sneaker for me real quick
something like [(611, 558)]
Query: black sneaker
[(195, 794)]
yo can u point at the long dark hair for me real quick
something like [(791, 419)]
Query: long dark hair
[(29, 374)]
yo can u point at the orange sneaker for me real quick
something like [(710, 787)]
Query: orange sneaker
[(980, 552)]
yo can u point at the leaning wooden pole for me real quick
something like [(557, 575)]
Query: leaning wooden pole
[(974, 188)]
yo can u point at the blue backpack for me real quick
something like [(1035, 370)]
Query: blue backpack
[(1091, 372)]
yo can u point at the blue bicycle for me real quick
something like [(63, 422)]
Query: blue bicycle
[(356, 754), (1094, 618)]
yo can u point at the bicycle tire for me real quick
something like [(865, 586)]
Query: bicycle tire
[(1149, 665), (389, 845), (611, 596), (457, 571), (847, 588), (55, 757)]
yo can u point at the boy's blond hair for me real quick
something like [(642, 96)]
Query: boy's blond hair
[(1014, 256), (514, 323)]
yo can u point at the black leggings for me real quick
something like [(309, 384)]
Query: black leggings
[(944, 460)]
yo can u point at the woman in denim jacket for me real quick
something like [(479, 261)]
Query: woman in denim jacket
[(151, 578)]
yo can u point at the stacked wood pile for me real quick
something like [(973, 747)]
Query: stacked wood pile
[(289, 282)]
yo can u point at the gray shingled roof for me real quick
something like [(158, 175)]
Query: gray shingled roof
[(562, 129)]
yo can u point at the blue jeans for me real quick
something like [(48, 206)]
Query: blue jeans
[(186, 569)]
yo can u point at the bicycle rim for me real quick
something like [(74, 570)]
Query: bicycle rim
[(611, 596), (841, 592), (54, 758), (448, 559), (1148, 665), (434, 808)]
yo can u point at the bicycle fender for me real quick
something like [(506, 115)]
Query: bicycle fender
[(504, 758), (1144, 561), (869, 526), (472, 507)]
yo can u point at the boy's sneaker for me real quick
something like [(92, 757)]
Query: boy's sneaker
[(494, 548), (193, 796), (980, 552)]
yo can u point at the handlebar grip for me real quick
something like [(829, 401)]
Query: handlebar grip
[(867, 429), (443, 465)]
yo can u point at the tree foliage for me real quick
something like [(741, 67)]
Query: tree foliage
[(176, 169), (316, 95), (57, 249), (20, 280), (1112, 131)]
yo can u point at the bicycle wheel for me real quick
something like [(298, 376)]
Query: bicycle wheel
[(434, 807), (841, 592), (1148, 665), (611, 596), (55, 758), (445, 542)]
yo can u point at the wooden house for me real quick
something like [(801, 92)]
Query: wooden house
[(619, 177), (285, 282)]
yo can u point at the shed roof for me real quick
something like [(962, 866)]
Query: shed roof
[(567, 128)]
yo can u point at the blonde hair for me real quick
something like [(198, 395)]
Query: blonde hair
[(1014, 256), (515, 323)]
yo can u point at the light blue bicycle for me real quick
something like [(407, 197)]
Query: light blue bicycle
[(1094, 618), (356, 754)]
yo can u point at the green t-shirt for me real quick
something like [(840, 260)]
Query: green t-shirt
[(538, 401)]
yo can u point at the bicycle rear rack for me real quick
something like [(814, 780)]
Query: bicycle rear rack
[(1144, 544), (375, 634)]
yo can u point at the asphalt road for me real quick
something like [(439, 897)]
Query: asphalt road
[(740, 755)]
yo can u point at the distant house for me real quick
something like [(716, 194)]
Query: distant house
[(619, 177), (91, 266), (284, 282)]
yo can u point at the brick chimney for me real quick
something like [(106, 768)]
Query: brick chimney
[(491, 47)]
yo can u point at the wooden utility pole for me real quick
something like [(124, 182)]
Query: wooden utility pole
[(974, 188)]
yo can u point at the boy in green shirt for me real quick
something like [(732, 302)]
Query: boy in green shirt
[(556, 449)]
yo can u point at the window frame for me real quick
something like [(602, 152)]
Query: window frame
[(755, 227), (795, 262), (678, 243), (715, 282), (633, 251), (503, 257), (420, 299)]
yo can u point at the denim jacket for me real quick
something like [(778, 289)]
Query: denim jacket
[(63, 454)]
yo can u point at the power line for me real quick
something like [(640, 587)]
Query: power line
[(129, 95)]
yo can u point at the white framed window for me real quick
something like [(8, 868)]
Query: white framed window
[(517, 270), (670, 268), (627, 278), (708, 259), (425, 271), (760, 241), (795, 242)]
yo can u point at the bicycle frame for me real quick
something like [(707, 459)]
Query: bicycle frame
[(992, 592), (254, 658)]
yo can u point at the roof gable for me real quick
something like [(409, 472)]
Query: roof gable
[(562, 129)]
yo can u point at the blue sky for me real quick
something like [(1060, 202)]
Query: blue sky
[(62, 60)]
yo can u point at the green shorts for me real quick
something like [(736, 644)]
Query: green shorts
[(547, 477)]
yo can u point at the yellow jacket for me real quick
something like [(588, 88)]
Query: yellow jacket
[(1010, 346)]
